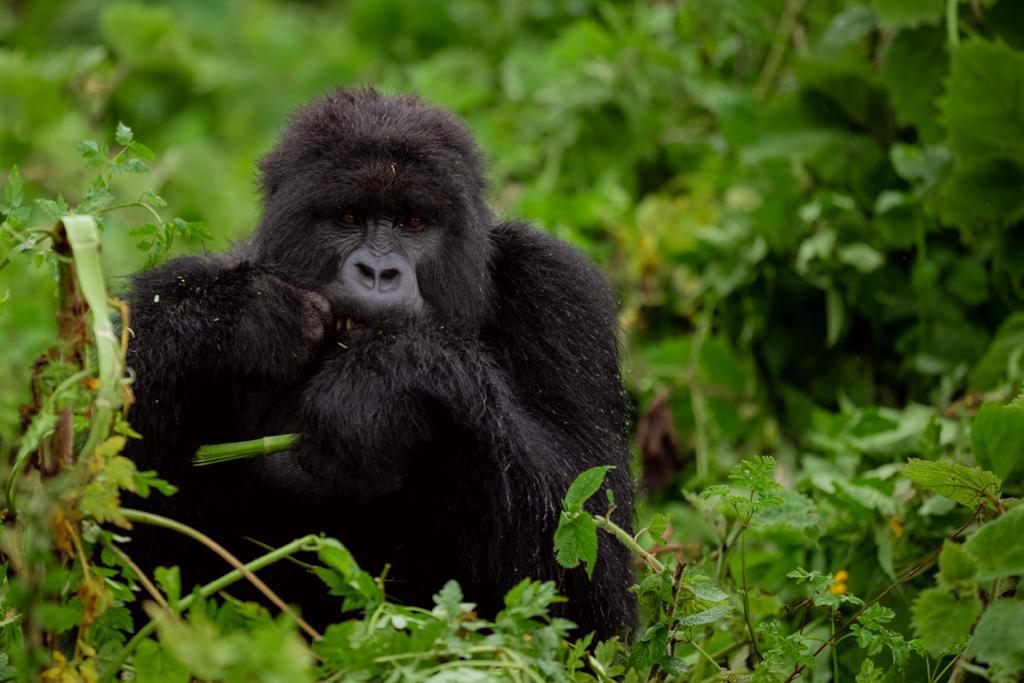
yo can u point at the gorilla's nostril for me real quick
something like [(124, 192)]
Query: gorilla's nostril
[(366, 271), (389, 274)]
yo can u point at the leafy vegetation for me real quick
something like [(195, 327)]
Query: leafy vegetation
[(813, 213)]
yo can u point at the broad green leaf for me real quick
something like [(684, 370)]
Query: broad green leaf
[(997, 435), (576, 541), (956, 564), (153, 664), (999, 546), (586, 484), (984, 103), (944, 621), (915, 65), (981, 194), (970, 486), (1005, 350), (997, 641)]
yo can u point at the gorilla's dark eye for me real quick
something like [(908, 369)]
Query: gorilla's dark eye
[(348, 220), (414, 223)]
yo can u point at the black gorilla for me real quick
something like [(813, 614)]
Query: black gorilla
[(450, 374)]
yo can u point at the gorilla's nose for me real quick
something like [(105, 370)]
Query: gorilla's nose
[(378, 280)]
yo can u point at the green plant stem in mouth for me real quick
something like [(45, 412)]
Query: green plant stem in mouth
[(239, 450)]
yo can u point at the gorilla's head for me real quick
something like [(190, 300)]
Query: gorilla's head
[(377, 202)]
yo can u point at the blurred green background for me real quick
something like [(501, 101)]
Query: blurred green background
[(811, 211)]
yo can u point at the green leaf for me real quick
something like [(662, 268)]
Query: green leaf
[(96, 199), (899, 13), (13, 188), (997, 640), (982, 194), (141, 151), (586, 485), (169, 580), (153, 664), (970, 486), (944, 621), (54, 210), (707, 616), (956, 565), (1005, 350), (984, 103), (997, 435), (999, 546), (861, 256), (123, 134), (576, 541), (915, 65), (449, 600), (89, 149)]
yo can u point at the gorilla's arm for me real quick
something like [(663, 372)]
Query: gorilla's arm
[(201, 324), (555, 339)]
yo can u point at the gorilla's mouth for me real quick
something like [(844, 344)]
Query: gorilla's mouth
[(348, 324)]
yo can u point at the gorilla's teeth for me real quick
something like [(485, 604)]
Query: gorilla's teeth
[(348, 323), (337, 326)]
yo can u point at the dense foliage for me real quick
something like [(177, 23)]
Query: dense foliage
[(813, 213)]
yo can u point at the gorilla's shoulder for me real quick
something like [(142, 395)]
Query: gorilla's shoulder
[(528, 262), (549, 296)]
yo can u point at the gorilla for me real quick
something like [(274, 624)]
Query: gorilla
[(449, 373)]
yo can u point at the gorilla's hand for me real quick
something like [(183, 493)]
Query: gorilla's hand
[(279, 329)]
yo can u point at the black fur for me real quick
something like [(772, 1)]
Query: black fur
[(442, 446)]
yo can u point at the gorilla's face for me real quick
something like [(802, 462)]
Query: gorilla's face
[(381, 209), (377, 259)]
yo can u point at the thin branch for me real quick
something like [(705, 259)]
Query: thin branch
[(244, 571), (156, 520), (139, 574)]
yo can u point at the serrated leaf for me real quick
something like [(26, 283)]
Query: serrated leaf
[(956, 564), (13, 189), (999, 546), (970, 486), (153, 198), (944, 621), (586, 485), (54, 210), (153, 664), (95, 199), (169, 580), (576, 541), (141, 151), (123, 134), (997, 639), (707, 616), (88, 148), (997, 435)]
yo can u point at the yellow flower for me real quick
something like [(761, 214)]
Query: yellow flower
[(896, 524), (838, 586)]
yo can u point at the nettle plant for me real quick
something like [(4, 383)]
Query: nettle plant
[(69, 581)]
